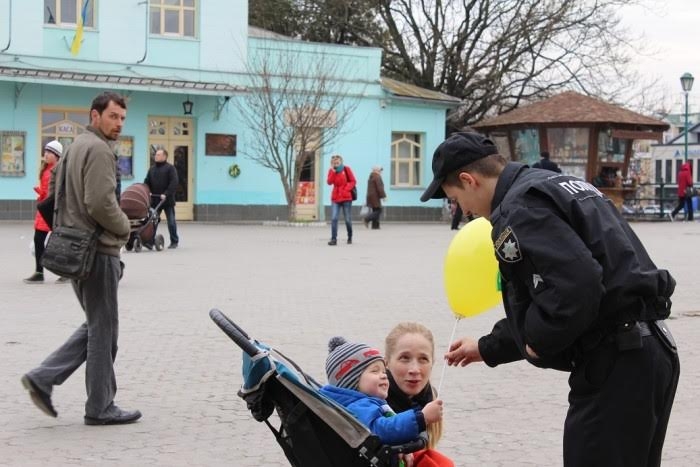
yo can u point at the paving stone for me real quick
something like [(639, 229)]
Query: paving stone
[(286, 287)]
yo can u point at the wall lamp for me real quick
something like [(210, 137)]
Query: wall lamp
[(187, 106)]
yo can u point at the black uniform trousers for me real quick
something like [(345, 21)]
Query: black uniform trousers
[(619, 404)]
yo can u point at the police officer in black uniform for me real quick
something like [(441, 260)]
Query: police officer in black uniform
[(581, 295)]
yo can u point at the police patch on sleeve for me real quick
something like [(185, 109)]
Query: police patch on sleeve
[(507, 247)]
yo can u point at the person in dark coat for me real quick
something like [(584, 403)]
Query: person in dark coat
[(685, 180), (601, 321), (375, 195), (546, 164), (162, 180)]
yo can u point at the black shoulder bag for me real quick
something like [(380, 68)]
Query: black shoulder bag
[(69, 252), (46, 207), (353, 192)]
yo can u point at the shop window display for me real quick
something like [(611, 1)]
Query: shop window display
[(568, 147)]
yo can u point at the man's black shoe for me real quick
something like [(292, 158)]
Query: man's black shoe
[(121, 418), (40, 398), (172, 246)]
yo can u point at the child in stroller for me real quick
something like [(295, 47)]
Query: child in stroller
[(357, 379), (315, 430), (136, 203)]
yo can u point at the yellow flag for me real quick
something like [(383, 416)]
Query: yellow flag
[(78, 38)]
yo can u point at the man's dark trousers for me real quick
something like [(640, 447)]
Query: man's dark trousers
[(98, 297), (172, 226)]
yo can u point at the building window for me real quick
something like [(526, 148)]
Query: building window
[(67, 12), (172, 17), (63, 125), (406, 151)]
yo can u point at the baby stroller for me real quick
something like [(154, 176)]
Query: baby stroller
[(136, 204), (314, 429)]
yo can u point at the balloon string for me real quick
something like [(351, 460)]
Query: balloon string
[(444, 361)]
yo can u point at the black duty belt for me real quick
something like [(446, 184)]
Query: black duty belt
[(644, 327), (625, 336)]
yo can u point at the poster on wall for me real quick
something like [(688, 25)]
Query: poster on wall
[(306, 193), (124, 149), (220, 144), (12, 145)]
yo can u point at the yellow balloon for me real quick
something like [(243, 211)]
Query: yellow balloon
[(472, 281)]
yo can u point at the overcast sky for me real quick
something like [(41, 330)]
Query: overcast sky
[(672, 28)]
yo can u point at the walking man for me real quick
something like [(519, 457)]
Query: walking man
[(162, 180), (90, 201)]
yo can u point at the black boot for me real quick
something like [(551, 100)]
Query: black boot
[(36, 278), (333, 242)]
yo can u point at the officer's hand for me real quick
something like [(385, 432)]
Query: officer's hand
[(162, 196), (463, 352), (531, 353)]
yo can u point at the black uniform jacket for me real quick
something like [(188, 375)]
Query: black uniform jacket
[(571, 268), (162, 180)]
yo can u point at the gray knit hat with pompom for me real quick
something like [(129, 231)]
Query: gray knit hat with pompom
[(347, 361)]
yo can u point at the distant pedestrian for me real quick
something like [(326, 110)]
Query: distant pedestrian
[(375, 195), (162, 180), (343, 181), (52, 152), (545, 163), (457, 214), (90, 200), (685, 186)]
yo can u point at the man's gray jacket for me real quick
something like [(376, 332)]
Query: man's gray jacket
[(90, 194)]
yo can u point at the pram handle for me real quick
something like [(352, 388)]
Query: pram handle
[(160, 203), (232, 330), (412, 446)]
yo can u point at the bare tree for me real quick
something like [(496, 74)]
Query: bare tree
[(496, 54), (295, 105), (350, 22)]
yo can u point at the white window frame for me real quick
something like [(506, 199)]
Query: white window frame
[(162, 7), (416, 151), (57, 15)]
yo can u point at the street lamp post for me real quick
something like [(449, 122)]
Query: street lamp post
[(687, 84)]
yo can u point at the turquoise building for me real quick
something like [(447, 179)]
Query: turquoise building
[(185, 68)]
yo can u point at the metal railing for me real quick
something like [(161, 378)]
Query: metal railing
[(651, 206)]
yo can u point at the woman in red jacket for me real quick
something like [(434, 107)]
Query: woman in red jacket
[(343, 181), (685, 180), (52, 152)]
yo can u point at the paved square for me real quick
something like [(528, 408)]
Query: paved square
[(286, 287)]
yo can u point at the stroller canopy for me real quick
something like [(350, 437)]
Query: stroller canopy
[(135, 201)]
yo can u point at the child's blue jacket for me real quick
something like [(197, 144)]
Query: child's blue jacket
[(375, 413)]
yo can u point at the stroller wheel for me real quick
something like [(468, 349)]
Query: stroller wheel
[(129, 246), (137, 245), (160, 242)]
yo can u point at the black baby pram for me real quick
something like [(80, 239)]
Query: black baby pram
[(136, 203), (314, 431)]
